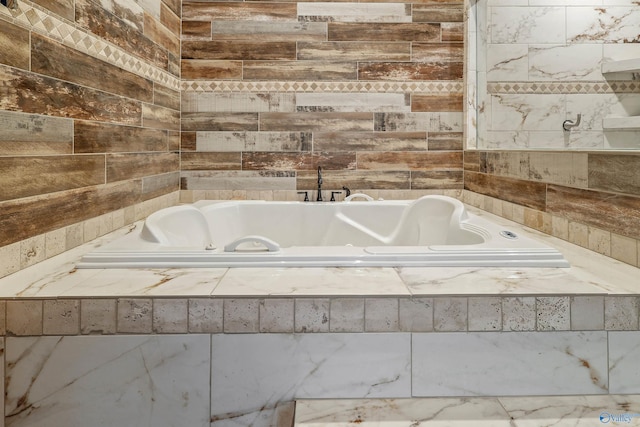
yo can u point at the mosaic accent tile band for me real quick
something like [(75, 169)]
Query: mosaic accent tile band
[(564, 87), (433, 87)]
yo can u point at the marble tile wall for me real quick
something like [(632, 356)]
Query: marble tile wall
[(75, 147), (247, 379), (540, 63), (372, 92)]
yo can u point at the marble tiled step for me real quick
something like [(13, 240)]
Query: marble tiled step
[(557, 411)]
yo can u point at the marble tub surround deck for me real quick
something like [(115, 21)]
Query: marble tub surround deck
[(322, 333), (557, 411)]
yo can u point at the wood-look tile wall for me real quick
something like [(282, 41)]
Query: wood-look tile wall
[(589, 198), (370, 91), (89, 110)]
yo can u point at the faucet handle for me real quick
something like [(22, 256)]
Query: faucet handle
[(306, 195), (347, 190), (333, 195)]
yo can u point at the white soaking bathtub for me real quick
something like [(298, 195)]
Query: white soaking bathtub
[(430, 231)]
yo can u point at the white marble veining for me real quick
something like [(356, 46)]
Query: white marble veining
[(504, 281), (527, 24), (401, 413), (557, 411), (310, 281), (120, 380), (501, 364), (251, 373), (624, 354)]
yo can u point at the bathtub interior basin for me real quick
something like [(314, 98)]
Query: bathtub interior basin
[(430, 231)]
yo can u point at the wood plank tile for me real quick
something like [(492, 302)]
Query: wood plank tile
[(128, 166), (299, 70), (410, 71), (107, 26), (196, 30), (269, 31), (96, 137), (28, 134), (188, 141), (158, 117), (369, 141), (238, 50), (300, 122), (613, 212), (355, 179), (238, 102), (32, 93), (354, 51), (437, 52), (239, 11), (161, 35), (174, 5), (131, 13), (452, 32), (62, 8), (297, 161), (174, 140), (437, 12), (32, 216), (56, 60), (166, 97), (211, 161), (195, 69), (354, 12), (170, 19), (425, 160), (418, 32), (614, 172), (425, 180), (253, 141), (220, 121), (569, 169), (411, 122), (238, 180), (158, 185), (471, 161), (30, 176), (15, 45), (447, 102), (525, 193), (445, 141)]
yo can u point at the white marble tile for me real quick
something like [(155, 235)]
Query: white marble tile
[(503, 364), (507, 62), (603, 25), (247, 384), (310, 281), (569, 411), (564, 62), (624, 353), (437, 412), (527, 112), (148, 282), (120, 380), (473, 280), (527, 24)]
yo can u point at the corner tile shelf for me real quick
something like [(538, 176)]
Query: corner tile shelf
[(621, 122), (627, 65)]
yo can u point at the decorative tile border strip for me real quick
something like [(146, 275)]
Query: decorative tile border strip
[(33, 18), (180, 315), (576, 87), (434, 87)]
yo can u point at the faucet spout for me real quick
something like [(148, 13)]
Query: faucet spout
[(319, 198)]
